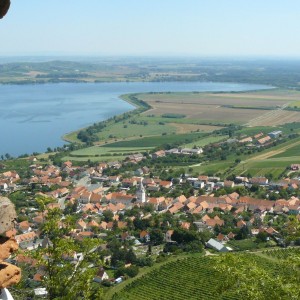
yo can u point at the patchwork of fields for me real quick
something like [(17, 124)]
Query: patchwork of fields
[(189, 119), (263, 108)]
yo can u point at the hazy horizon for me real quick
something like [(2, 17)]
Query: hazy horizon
[(171, 28)]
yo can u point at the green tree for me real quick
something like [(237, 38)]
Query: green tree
[(156, 236), (108, 215), (182, 236), (63, 278)]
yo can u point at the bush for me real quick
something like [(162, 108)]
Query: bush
[(145, 262), (131, 271)]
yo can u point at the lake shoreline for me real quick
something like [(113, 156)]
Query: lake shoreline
[(41, 116), (126, 98)]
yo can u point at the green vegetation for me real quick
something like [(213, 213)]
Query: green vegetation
[(198, 277), (64, 280), (283, 254), (206, 141), (249, 244), (293, 151), (275, 73), (157, 141), (174, 116), (97, 153)]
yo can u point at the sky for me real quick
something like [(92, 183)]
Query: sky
[(152, 28)]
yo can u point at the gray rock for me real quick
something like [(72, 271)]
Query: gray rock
[(8, 215)]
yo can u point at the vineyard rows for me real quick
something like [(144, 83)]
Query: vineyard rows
[(282, 253), (192, 278)]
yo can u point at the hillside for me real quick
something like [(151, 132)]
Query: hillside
[(199, 277)]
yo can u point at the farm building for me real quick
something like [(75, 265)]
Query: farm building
[(275, 134), (216, 246)]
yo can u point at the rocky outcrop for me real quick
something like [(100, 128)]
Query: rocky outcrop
[(7, 215), (4, 6), (9, 274), (7, 247)]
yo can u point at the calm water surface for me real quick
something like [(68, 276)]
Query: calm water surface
[(34, 117)]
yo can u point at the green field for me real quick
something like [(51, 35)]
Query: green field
[(193, 278), (294, 151), (100, 153), (295, 104), (105, 151), (206, 141), (155, 141), (126, 130), (118, 150)]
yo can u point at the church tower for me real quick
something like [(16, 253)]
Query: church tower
[(141, 193)]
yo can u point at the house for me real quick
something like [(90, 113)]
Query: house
[(203, 178), (246, 140), (92, 224), (139, 172), (26, 240), (84, 234), (262, 141), (166, 184), (181, 199), (275, 134), (81, 225), (165, 204), (85, 197), (168, 236), (176, 208), (24, 227), (189, 151), (114, 179), (12, 176), (158, 154), (191, 207), (114, 164), (116, 198), (145, 236), (228, 183), (198, 184), (213, 244), (3, 186), (221, 237), (101, 275), (129, 182), (209, 186), (259, 180), (258, 135), (185, 225), (101, 167), (241, 224), (95, 198)]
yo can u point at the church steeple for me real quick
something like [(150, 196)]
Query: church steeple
[(141, 193)]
